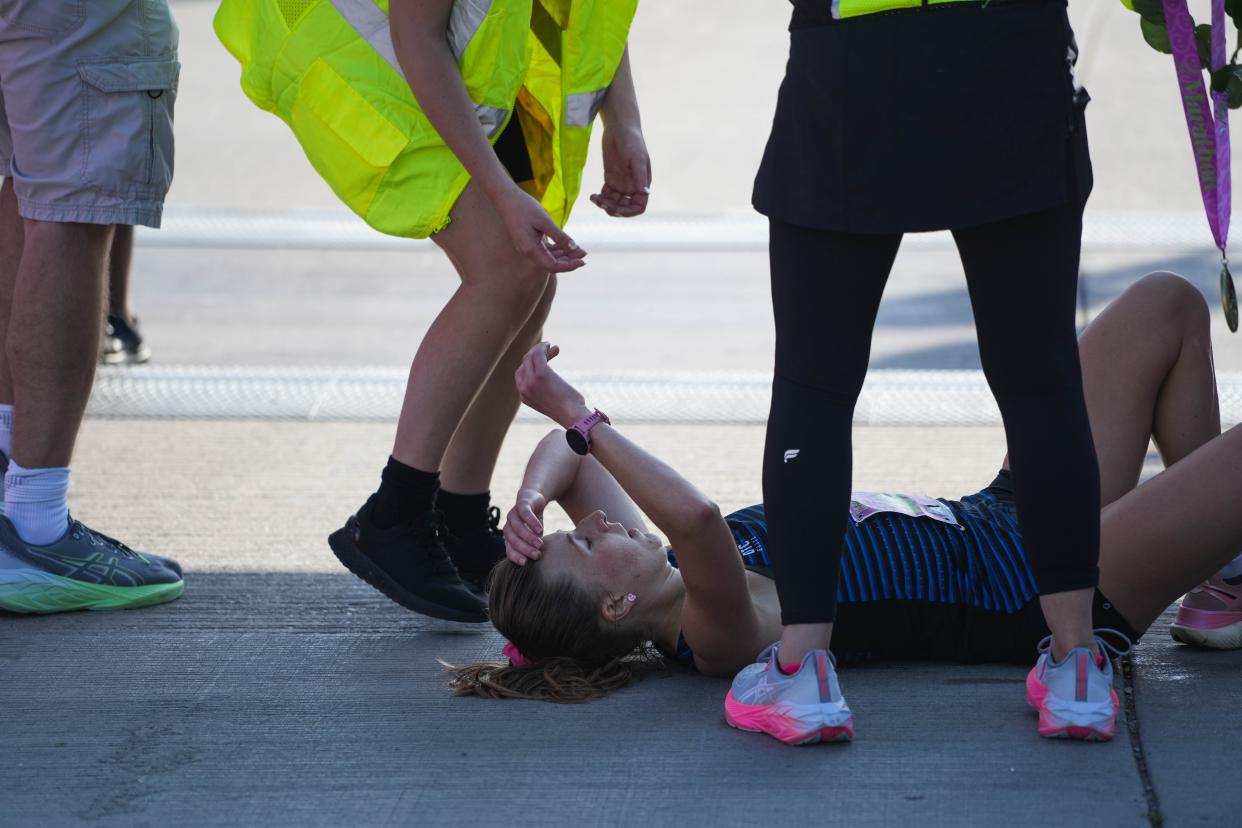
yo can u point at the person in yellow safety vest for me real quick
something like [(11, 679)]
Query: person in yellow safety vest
[(898, 116), (465, 120)]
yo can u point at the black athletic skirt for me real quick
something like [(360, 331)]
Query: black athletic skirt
[(929, 119)]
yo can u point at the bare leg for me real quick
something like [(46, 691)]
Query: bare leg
[(472, 333), (12, 237), (471, 456), (52, 337), (119, 258), (1147, 372), (1168, 535)]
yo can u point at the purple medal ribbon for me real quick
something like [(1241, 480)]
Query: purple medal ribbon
[(1209, 134)]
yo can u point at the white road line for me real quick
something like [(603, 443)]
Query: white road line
[(890, 397), (340, 229)]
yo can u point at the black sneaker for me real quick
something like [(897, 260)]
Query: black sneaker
[(122, 342), (409, 564), (476, 550)]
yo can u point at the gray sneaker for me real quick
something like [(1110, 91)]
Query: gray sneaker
[(160, 559), (85, 569), (799, 709)]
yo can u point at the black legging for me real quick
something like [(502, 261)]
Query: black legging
[(1022, 276)]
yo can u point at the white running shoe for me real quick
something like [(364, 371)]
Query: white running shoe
[(1075, 696), (799, 709)]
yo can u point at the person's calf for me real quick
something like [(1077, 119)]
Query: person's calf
[(52, 337), (1069, 618)]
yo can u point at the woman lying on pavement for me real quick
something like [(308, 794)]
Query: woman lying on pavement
[(922, 577)]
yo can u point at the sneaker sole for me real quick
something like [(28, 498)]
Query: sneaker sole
[(1082, 734), (347, 552), (1222, 638), (36, 592), (784, 727), (142, 357)]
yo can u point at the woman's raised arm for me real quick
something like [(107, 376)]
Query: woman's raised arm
[(716, 593)]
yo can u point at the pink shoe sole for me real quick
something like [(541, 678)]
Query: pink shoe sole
[(1216, 629), (782, 725), (1035, 691), (1206, 619), (1085, 734)]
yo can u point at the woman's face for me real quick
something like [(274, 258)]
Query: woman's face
[(607, 556)]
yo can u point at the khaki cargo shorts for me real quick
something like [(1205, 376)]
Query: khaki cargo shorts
[(86, 108)]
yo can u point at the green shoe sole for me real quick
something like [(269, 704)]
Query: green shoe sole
[(35, 591)]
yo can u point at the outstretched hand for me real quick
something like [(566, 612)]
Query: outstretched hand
[(535, 236), (544, 390)]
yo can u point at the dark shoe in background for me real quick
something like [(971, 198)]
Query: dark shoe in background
[(122, 342)]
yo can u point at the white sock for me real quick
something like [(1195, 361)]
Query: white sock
[(1232, 569), (6, 430), (37, 501)]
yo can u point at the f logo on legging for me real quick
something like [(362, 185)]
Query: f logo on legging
[(791, 454)]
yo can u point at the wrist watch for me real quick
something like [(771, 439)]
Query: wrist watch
[(578, 435)]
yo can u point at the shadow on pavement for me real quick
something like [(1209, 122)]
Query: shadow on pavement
[(309, 699)]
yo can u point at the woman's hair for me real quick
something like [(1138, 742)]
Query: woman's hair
[(574, 655)]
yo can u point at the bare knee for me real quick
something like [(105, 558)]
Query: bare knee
[(1174, 300), (526, 285)]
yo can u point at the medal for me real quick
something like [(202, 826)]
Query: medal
[(1228, 296), (1207, 120)]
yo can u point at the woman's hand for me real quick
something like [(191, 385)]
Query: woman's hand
[(524, 527), (627, 172), (534, 234), (544, 390)]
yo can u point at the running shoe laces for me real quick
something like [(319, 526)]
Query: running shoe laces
[(1123, 649), (431, 534), (79, 530)]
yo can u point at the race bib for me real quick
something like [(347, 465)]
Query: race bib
[(865, 504)]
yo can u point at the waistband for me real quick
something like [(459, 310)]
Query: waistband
[(813, 13), (1001, 486)]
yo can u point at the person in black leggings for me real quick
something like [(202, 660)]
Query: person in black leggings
[(965, 117)]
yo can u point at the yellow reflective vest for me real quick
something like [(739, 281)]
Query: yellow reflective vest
[(328, 69)]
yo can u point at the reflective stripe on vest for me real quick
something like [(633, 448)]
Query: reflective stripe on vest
[(580, 109), (842, 9), (371, 24), (465, 20)]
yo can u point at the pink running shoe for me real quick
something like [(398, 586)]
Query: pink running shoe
[(1210, 616), (799, 709), (1075, 697)]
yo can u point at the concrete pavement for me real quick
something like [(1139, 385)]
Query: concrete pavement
[(281, 691)]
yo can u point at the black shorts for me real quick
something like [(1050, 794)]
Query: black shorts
[(946, 117), (511, 149)]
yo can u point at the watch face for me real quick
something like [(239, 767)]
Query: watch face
[(576, 441)]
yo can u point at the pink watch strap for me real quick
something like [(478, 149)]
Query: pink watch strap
[(589, 422)]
